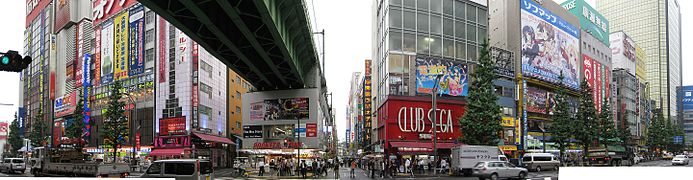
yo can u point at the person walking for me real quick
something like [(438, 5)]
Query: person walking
[(303, 168), (262, 168), (336, 170), (353, 167)]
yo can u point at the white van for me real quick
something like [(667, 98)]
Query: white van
[(540, 161), (181, 169)]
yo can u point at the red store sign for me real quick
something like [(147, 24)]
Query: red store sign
[(411, 118), (277, 145)]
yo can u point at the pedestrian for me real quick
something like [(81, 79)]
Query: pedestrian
[(353, 167), (315, 167), (303, 168), (262, 168), (336, 169), (443, 165), (291, 167)]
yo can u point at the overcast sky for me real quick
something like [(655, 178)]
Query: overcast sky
[(348, 43)]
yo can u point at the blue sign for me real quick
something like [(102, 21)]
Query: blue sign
[(21, 113), (687, 97), (136, 42), (86, 83)]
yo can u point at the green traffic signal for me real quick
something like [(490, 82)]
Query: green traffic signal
[(5, 60)]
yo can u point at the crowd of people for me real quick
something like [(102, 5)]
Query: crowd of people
[(292, 167), (384, 168)]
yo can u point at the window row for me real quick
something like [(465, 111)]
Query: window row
[(435, 45), (451, 8), (423, 23)]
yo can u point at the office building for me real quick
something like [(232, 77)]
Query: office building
[(686, 101), (655, 25)]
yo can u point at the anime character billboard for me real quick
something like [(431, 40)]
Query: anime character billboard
[(550, 45), (453, 80)]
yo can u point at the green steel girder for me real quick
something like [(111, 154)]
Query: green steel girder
[(268, 42)]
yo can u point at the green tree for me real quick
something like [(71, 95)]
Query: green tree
[(38, 134), (562, 126), (623, 133), (607, 131), (480, 123), (115, 128), (14, 140), (586, 119), (656, 135), (75, 129)]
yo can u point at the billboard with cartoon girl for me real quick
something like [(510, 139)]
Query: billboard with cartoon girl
[(453, 80), (550, 45)]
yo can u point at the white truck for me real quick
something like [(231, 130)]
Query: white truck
[(464, 157), (70, 162)]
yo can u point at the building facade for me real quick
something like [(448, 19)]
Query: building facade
[(237, 86), (35, 80), (354, 115), (626, 101), (686, 100), (658, 32)]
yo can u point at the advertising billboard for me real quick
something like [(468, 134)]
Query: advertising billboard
[(172, 126), (590, 19), (597, 76), (536, 100), (97, 56), (120, 49), (252, 131), (78, 56), (62, 14), (65, 105), (687, 99), (311, 130), (162, 48), (107, 52), (550, 45), (136, 42), (104, 9), (86, 63), (453, 79), (623, 53), (4, 130), (280, 109)]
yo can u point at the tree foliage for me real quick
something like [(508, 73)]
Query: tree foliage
[(14, 140), (606, 131), (480, 124), (586, 119), (115, 128), (39, 130), (562, 126), (656, 132), (75, 128)]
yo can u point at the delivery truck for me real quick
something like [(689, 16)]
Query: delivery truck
[(464, 157), (70, 162)]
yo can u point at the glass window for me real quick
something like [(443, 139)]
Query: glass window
[(409, 42), (396, 17), (436, 6), (448, 48), (483, 20), (448, 27), (396, 71), (461, 50), (459, 30), (422, 22), (435, 45), (396, 2), (447, 7), (410, 3), (471, 51), (482, 35), (395, 40), (436, 24), (422, 42), (155, 168), (471, 33), (179, 168), (459, 10), (422, 4), (409, 20), (471, 13)]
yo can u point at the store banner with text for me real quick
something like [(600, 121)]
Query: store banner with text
[(120, 39)]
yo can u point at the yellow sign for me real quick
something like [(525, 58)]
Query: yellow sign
[(120, 25), (508, 121), (508, 147), (518, 131)]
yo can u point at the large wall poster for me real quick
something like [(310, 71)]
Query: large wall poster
[(136, 45), (107, 52), (550, 45), (453, 81), (536, 100), (280, 109), (121, 41)]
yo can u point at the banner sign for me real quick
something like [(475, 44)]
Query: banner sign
[(536, 100), (120, 24), (597, 77), (280, 109), (21, 115), (107, 52), (97, 56), (162, 49), (453, 76), (136, 45), (311, 130), (79, 70), (65, 105), (172, 126), (252, 131), (687, 99), (195, 85), (86, 86), (104, 9), (550, 45), (590, 19)]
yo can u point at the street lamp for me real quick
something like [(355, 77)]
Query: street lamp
[(435, 127)]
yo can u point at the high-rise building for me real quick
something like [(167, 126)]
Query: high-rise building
[(686, 111), (354, 111), (39, 42), (655, 25)]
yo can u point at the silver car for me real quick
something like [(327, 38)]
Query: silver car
[(679, 160), (11, 165), (498, 169)]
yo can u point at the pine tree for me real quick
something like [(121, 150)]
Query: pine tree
[(586, 123), (75, 129), (562, 126), (480, 124), (607, 129), (14, 140), (623, 133), (38, 134), (115, 129)]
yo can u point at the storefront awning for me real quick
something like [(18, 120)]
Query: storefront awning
[(167, 152), (206, 137), (439, 145)]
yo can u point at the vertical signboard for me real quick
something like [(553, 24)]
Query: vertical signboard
[(53, 54), (195, 86), (162, 49), (85, 96), (597, 85), (62, 14), (107, 52), (550, 45), (312, 130), (97, 56), (524, 115), (136, 45), (366, 103), (120, 25), (21, 115), (598, 77), (78, 56)]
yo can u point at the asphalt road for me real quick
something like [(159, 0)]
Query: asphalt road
[(662, 163)]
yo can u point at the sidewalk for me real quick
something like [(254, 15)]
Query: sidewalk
[(255, 175)]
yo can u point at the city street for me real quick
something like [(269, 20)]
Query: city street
[(659, 163)]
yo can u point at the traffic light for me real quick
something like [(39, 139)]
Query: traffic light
[(13, 62)]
